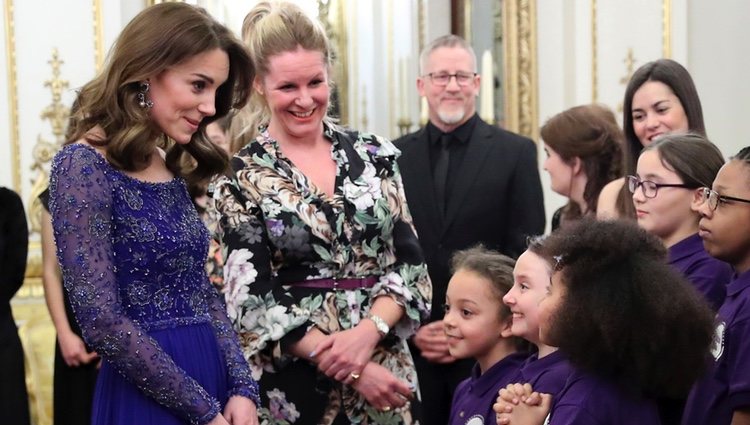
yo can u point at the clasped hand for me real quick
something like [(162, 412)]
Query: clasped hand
[(520, 405), (346, 357), (343, 355)]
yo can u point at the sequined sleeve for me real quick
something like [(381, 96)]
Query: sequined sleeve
[(81, 208), (242, 383)]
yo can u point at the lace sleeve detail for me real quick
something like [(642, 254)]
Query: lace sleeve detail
[(81, 208), (241, 381)]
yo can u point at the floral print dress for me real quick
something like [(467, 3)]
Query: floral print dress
[(279, 229)]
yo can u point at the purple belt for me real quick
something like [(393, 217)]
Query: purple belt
[(354, 283)]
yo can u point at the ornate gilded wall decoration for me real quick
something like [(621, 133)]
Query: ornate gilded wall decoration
[(57, 116), (332, 15)]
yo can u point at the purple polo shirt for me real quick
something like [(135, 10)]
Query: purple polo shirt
[(587, 399), (707, 274), (546, 375), (474, 396), (726, 386)]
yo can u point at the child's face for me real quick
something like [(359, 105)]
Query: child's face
[(472, 317), (530, 281), (548, 307), (724, 230), (668, 215)]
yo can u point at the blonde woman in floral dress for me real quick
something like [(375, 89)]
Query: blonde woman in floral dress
[(324, 277)]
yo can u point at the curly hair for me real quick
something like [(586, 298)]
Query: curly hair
[(627, 315), (591, 133), (158, 38)]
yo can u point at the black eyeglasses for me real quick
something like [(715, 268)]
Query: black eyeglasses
[(714, 199), (463, 79), (649, 188)]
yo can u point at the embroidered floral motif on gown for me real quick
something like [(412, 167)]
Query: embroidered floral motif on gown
[(278, 228), (132, 255)]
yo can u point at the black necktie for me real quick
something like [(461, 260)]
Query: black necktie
[(440, 172)]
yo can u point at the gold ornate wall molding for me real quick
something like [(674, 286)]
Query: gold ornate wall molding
[(333, 15), (44, 150), (10, 53), (666, 28), (98, 35), (520, 67)]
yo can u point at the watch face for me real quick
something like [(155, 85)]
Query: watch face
[(380, 324)]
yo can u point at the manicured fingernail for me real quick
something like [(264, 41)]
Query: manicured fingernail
[(312, 353)]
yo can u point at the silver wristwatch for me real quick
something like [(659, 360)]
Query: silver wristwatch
[(380, 324)]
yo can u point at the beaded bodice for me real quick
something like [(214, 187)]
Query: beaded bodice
[(132, 255)]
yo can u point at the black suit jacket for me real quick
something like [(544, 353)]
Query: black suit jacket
[(496, 201)]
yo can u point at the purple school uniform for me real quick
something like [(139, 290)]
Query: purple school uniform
[(726, 387), (589, 400), (707, 274), (546, 375), (474, 396)]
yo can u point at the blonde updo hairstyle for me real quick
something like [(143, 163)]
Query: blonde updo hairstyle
[(272, 28)]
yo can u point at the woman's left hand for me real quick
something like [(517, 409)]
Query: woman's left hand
[(241, 411), (347, 352)]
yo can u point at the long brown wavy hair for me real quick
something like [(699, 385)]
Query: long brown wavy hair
[(107, 111)]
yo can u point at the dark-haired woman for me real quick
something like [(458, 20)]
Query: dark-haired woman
[(660, 99), (131, 247), (584, 152)]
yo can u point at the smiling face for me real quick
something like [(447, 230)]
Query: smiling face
[(724, 231), (450, 105), (669, 215), (530, 281), (473, 322), (296, 90), (657, 111), (185, 94)]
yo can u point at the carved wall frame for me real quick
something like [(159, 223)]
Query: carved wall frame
[(520, 82)]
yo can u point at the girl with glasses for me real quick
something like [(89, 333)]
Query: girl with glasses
[(666, 192), (721, 397)]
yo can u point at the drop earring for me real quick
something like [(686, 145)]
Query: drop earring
[(144, 102)]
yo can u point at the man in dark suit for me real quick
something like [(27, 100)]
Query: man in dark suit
[(466, 183)]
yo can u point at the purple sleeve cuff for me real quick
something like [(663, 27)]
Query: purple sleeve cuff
[(208, 417), (252, 392)]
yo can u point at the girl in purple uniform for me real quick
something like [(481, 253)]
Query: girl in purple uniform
[(722, 397), (632, 327), (671, 174), (477, 325), (547, 369)]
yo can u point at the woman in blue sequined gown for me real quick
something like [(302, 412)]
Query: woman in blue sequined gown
[(131, 245)]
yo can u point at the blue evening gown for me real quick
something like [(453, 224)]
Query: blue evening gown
[(132, 254)]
